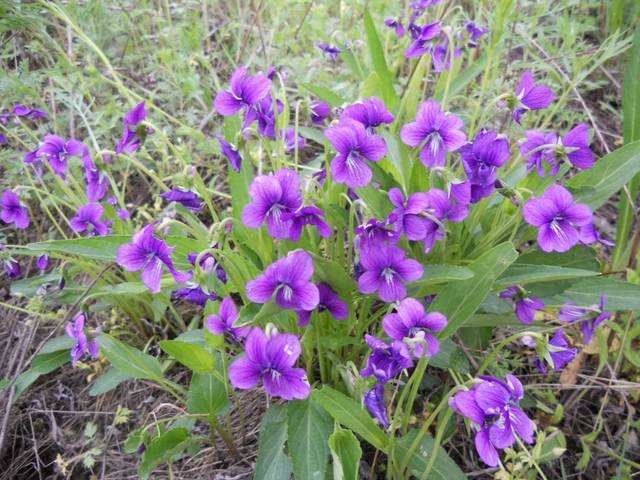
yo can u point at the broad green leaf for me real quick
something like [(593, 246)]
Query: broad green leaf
[(620, 295), (351, 60), (239, 184), (492, 320), (580, 257), (346, 454), (459, 300), (376, 200), (610, 173), (436, 274), (108, 381), (450, 356), (162, 449), (330, 272), (351, 414), (129, 360), (95, 248), (309, 427), (314, 134), (207, 395), (444, 468), (324, 94), (521, 274), (41, 365), (272, 462), (376, 51), (63, 342), (190, 355)]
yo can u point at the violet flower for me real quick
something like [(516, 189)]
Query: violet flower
[(221, 323), (591, 318), (289, 279), (43, 262), (309, 215), (331, 50), (559, 355), (537, 159), (195, 294), (20, 110), (264, 114), (12, 210), (481, 160), (319, 111), (375, 233), (330, 301), (354, 147), (89, 219), (274, 196), (557, 218), (134, 133), (12, 269), (386, 271), (271, 359), (75, 330), (475, 33), (231, 152), (245, 91), (290, 140), (525, 305), (440, 207), (370, 112), (412, 325), (493, 407), (386, 360), (57, 152), (208, 263), (396, 25), (589, 235), (97, 183), (423, 40), (575, 146), (188, 199), (149, 254), (374, 401), (435, 132), (407, 215), (529, 96), (441, 55)]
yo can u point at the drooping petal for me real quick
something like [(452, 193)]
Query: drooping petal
[(464, 403), (151, 274), (485, 449), (288, 384), (244, 374), (522, 425)]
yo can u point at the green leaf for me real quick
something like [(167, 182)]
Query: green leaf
[(272, 463), (460, 300), (332, 273), (207, 395), (444, 468), (580, 257), (164, 448), (346, 454), (450, 356), (108, 381), (96, 248), (324, 94), (63, 342), (435, 274), (521, 274), (190, 355), (351, 414), (41, 365), (314, 134), (376, 51), (620, 295), (596, 185), (309, 427), (129, 360)]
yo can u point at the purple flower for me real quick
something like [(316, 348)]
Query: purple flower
[(589, 235), (374, 401), (330, 301), (493, 406), (309, 215), (530, 96), (331, 50), (559, 355), (386, 361), (375, 233), (319, 111), (186, 198), (263, 112), (134, 132), (76, 331), (408, 215), (231, 152), (423, 40), (20, 110), (386, 270), (370, 112), (289, 279), (290, 140), (591, 317), (222, 322), (273, 196), (271, 360), (475, 33), (415, 327), (97, 183), (396, 25), (481, 160), (435, 132), (57, 151), (442, 206), (534, 140), (12, 269), (195, 294), (12, 210), (354, 147), (557, 218), (208, 263), (526, 306), (88, 219), (245, 91), (441, 55), (43, 262), (576, 146), (149, 254)]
